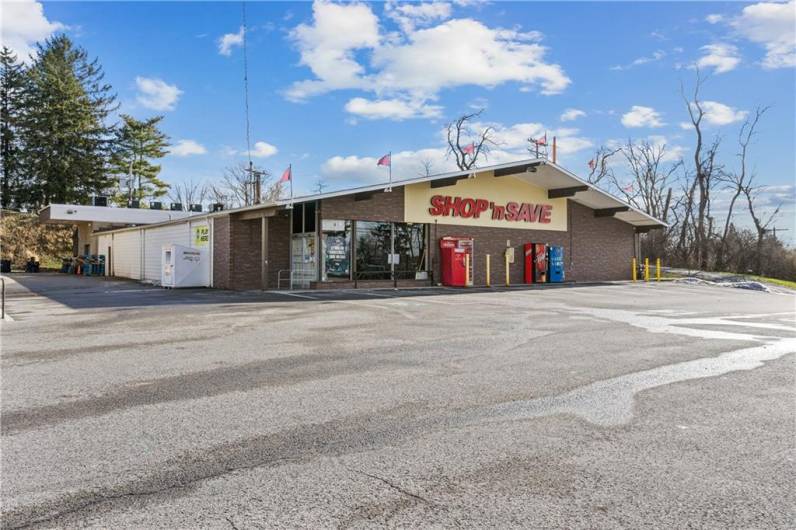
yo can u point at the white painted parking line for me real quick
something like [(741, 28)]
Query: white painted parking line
[(299, 295)]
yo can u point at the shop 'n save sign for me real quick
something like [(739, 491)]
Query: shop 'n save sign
[(448, 206), (501, 202)]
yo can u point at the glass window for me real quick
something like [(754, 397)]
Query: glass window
[(309, 216), (298, 214), (336, 241), (373, 244), (410, 250)]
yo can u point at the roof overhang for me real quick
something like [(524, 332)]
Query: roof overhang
[(538, 172), (75, 213)]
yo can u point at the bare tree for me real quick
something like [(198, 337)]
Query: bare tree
[(599, 167), (706, 173), (427, 167), (188, 192), (237, 187), (737, 181), (651, 187), (761, 224), (320, 185), (460, 130)]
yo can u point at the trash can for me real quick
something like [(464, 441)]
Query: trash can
[(5, 265)]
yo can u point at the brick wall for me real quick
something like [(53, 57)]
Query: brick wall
[(221, 252), (595, 248), (278, 246), (380, 207)]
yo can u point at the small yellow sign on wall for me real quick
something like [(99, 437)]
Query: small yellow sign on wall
[(201, 236)]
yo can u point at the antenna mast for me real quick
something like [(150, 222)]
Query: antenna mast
[(254, 176)]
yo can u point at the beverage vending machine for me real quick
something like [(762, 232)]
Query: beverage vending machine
[(539, 262), (456, 255), (555, 264)]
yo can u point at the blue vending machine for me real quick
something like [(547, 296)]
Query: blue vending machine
[(555, 262)]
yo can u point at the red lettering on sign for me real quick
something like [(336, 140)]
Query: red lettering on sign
[(547, 211), (469, 208)]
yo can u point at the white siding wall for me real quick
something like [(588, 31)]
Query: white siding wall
[(127, 254), (103, 242), (133, 249), (154, 239)]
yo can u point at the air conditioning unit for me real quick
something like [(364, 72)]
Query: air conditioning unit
[(100, 200), (184, 267), (196, 207), (156, 205), (176, 206), (217, 207), (135, 203)]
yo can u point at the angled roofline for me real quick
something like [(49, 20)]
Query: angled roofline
[(518, 163)]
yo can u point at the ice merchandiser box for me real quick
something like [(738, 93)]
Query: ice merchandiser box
[(184, 267), (555, 264)]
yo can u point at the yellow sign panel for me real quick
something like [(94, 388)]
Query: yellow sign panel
[(505, 202), (201, 236)]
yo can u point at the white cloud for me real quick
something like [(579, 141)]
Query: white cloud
[(393, 109), (774, 26), (572, 114), (327, 47), (714, 18), (156, 94), (720, 114), (22, 24), (719, 56), (187, 148), (405, 164), (656, 56), (511, 144), (672, 152), (640, 116), (415, 64), (465, 52), (229, 40), (411, 15), (263, 150)]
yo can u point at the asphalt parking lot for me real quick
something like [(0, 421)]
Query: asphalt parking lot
[(604, 406)]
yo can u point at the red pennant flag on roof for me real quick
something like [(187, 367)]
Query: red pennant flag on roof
[(287, 175), (384, 161), (469, 149), (592, 164)]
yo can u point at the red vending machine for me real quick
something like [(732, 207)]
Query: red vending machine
[(453, 261), (528, 247), (539, 262)]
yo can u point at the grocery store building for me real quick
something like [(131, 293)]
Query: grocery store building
[(412, 233)]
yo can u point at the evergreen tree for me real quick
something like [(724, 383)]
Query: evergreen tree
[(11, 84), (138, 142), (67, 143)]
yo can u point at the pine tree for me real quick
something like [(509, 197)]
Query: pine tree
[(11, 84), (67, 141), (138, 142)]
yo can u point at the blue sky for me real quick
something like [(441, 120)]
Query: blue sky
[(333, 87)]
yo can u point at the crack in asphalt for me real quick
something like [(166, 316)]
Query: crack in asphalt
[(391, 485)]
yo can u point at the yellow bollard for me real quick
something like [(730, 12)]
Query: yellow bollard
[(488, 277), (508, 282), (467, 270), (646, 269), (658, 269), (635, 270)]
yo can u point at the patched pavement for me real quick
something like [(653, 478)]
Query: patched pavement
[(610, 406)]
